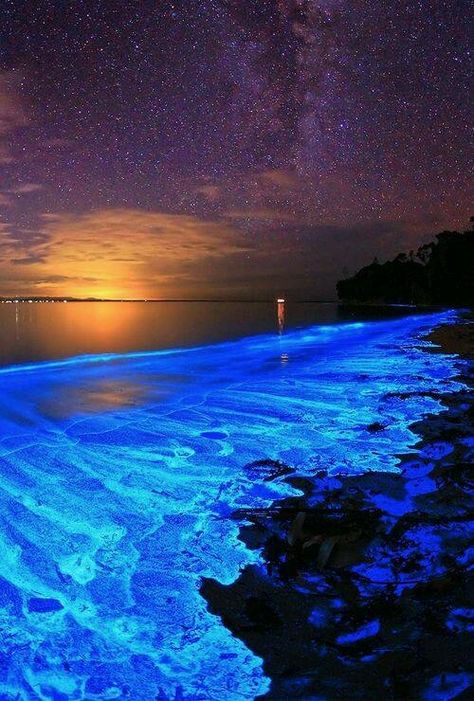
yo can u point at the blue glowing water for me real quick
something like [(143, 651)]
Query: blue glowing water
[(118, 476)]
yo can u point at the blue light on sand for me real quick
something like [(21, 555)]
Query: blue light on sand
[(118, 474)]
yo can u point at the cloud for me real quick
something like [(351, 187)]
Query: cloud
[(118, 253), (25, 188), (12, 117), (264, 214), (9, 195), (12, 114), (280, 177), (130, 253), (210, 192)]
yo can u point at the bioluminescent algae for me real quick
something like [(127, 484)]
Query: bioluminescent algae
[(118, 476)]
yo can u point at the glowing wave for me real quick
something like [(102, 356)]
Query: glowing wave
[(118, 474)]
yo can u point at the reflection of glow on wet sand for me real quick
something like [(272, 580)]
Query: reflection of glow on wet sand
[(110, 518), (105, 395)]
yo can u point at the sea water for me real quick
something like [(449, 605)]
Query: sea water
[(119, 474)]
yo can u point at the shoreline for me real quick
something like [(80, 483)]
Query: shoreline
[(365, 589)]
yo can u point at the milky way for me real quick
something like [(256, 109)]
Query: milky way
[(319, 133)]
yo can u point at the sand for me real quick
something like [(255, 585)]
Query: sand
[(367, 589)]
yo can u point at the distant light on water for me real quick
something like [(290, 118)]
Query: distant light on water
[(281, 314)]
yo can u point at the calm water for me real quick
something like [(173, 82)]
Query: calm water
[(30, 332), (119, 475)]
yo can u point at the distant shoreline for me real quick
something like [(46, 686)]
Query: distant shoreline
[(43, 300), (75, 300)]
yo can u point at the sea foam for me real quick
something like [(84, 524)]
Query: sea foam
[(119, 475)]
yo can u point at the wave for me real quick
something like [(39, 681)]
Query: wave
[(119, 474)]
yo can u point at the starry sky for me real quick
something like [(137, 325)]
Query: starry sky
[(226, 148)]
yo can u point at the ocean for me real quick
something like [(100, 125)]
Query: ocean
[(130, 435)]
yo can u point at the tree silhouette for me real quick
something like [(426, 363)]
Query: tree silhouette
[(441, 272)]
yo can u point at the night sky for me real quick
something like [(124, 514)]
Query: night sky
[(226, 148)]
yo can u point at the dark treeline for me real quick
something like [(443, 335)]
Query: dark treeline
[(440, 272)]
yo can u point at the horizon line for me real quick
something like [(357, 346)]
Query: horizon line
[(51, 298)]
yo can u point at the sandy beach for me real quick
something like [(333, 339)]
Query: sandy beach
[(366, 590), (458, 338)]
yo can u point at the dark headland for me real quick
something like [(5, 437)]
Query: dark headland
[(438, 273)]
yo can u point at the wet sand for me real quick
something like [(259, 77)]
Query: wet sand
[(367, 589), (458, 338)]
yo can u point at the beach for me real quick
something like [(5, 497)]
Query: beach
[(367, 587), (456, 338), (254, 518)]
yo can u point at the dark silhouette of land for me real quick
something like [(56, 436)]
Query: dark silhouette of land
[(439, 273)]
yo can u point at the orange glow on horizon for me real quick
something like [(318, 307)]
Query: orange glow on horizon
[(118, 254)]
